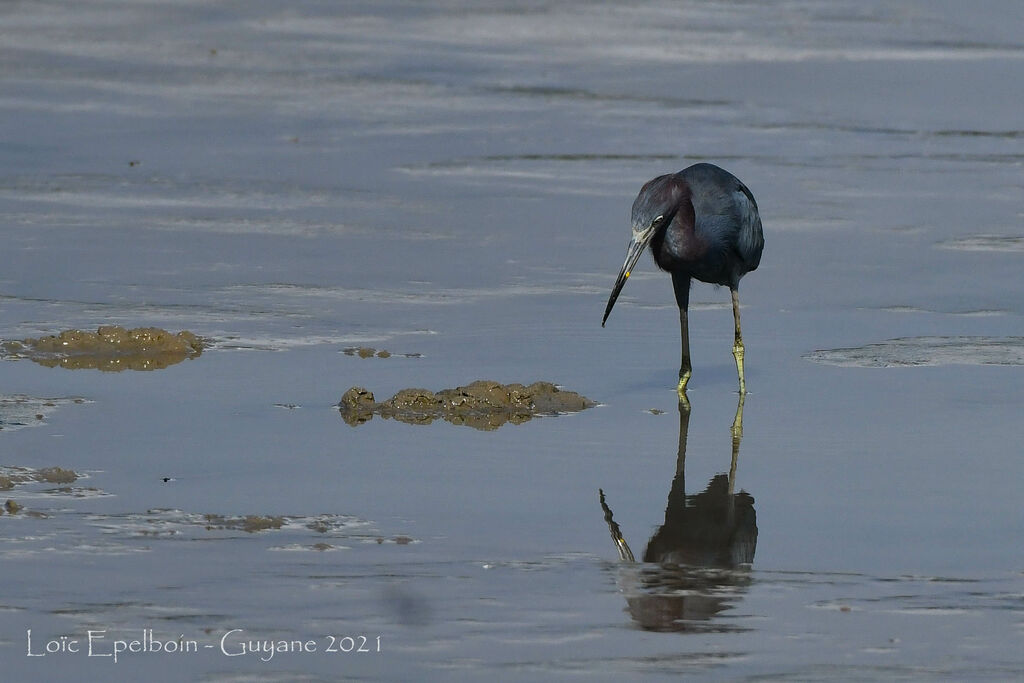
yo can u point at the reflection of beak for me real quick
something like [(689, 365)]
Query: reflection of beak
[(636, 248)]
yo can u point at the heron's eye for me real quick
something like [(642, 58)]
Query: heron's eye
[(657, 221)]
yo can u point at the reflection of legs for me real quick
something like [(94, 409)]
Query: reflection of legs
[(737, 347), (681, 286), (737, 436), (625, 554), (684, 427)]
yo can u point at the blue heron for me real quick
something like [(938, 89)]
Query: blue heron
[(701, 223)]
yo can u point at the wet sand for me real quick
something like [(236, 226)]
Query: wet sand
[(452, 186)]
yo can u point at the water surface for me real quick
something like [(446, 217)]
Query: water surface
[(452, 184)]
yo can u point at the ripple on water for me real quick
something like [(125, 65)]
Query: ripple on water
[(1008, 243), (976, 313)]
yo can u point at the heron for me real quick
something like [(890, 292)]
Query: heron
[(702, 223)]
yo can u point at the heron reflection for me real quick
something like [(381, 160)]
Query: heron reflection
[(696, 565)]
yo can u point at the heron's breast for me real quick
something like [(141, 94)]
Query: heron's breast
[(674, 251)]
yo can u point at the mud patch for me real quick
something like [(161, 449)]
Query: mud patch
[(12, 476), (483, 405), (118, 534), (370, 352), (110, 348), (171, 523), (247, 523), (914, 351), (30, 484)]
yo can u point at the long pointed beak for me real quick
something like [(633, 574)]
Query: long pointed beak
[(633, 253)]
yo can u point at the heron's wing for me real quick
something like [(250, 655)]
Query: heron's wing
[(726, 209), (749, 237)]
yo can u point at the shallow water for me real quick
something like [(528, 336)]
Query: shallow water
[(452, 184)]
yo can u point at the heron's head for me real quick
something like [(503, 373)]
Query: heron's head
[(653, 210)]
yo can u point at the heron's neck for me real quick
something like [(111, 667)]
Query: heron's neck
[(678, 244)]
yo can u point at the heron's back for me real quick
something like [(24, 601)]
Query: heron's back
[(725, 214)]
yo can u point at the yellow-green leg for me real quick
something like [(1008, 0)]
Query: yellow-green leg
[(737, 347)]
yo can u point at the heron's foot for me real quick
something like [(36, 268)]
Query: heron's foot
[(684, 379), (737, 352), (684, 401)]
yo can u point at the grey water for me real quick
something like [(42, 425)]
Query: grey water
[(451, 182)]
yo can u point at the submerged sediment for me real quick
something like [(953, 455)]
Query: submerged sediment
[(370, 352), (248, 523), (918, 351), (14, 477), (483, 404), (110, 348)]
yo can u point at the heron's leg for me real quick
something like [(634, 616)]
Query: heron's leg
[(685, 370), (681, 285), (737, 347)]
